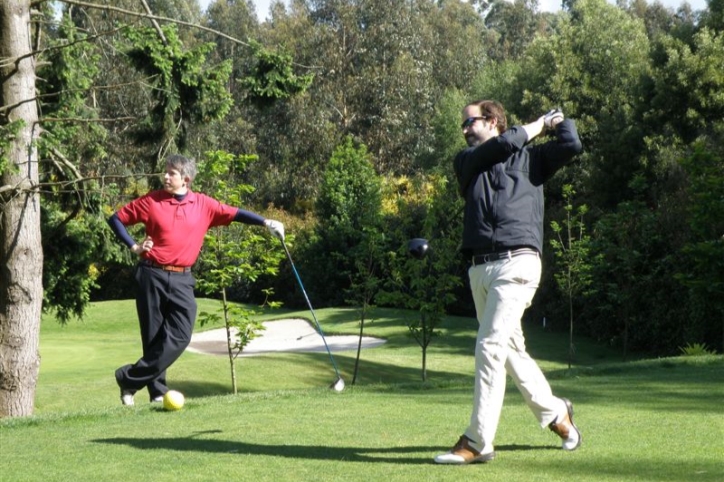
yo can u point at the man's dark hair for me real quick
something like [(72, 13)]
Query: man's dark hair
[(494, 110)]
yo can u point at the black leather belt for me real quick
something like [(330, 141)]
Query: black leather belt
[(497, 256)]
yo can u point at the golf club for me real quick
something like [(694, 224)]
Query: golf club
[(338, 384), (418, 248)]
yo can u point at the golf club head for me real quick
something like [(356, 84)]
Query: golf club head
[(338, 385), (418, 247)]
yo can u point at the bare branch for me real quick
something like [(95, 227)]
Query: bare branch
[(80, 119), (64, 160), (155, 23), (5, 108), (155, 17), (7, 61), (25, 186)]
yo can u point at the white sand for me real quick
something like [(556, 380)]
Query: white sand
[(296, 335)]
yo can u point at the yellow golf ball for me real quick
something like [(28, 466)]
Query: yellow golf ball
[(173, 400)]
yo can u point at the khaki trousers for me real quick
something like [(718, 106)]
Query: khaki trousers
[(502, 290)]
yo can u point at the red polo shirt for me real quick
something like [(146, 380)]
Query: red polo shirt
[(176, 228)]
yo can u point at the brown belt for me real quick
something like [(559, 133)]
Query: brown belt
[(168, 267)]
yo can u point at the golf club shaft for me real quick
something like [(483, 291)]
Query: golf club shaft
[(309, 304)]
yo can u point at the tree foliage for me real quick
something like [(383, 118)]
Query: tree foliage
[(184, 89), (273, 78), (348, 213), (73, 215), (704, 251)]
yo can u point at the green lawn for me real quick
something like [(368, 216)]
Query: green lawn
[(647, 420)]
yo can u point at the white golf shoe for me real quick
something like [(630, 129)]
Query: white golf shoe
[(564, 427), (463, 453)]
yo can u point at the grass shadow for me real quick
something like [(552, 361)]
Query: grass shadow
[(195, 442)]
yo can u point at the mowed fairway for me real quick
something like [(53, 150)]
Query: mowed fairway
[(649, 420)]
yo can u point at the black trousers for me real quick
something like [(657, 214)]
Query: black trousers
[(166, 314)]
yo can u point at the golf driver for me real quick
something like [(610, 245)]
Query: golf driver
[(418, 248), (338, 384)]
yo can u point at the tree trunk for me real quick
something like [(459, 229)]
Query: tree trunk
[(359, 341), (21, 255), (229, 341), (571, 349), (424, 363)]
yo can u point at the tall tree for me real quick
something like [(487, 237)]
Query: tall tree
[(683, 97), (704, 273), (514, 25), (348, 205), (594, 84), (380, 68), (73, 139), (21, 255), (458, 40), (235, 133), (184, 90), (714, 18)]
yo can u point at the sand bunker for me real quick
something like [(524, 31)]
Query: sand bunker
[(295, 335)]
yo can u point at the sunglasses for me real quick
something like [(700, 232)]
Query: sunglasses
[(471, 120)]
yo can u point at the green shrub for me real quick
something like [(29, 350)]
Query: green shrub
[(697, 349)]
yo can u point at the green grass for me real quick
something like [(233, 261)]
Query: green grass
[(646, 420)]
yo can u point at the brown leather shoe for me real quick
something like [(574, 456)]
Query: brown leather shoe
[(566, 429), (462, 453)]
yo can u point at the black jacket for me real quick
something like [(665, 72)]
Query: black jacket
[(502, 180)]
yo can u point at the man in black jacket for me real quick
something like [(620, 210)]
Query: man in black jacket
[(501, 179)]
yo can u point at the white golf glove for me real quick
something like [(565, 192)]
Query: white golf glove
[(275, 227), (552, 118)]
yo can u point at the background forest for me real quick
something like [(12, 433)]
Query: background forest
[(340, 118)]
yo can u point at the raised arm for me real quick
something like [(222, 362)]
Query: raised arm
[(553, 155), (474, 160)]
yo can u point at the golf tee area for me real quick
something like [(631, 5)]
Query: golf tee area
[(641, 419)]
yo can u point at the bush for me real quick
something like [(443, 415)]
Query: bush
[(697, 349)]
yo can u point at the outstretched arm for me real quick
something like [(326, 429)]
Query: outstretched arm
[(247, 217)]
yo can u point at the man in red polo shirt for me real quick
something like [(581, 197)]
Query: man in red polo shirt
[(176, 220)]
